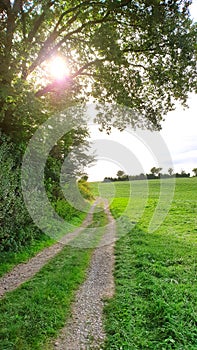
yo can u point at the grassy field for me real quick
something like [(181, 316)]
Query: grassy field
[(155, 304), (31, 315)]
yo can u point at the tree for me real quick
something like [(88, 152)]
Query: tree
[(84, 178), (155, 171), (138, 54), (120, 173), (170, 171), (195, 171)]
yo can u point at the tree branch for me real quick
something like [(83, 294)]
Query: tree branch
[(23, 19), (49, 41), (31, 8), (5, 5), (17, 6), (9, 32), (89, 3), (54, 86), (39, 21), (46, 52), (87, 65), (147, 49), (67, 82), (78, 30)]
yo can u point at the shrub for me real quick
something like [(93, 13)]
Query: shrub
[(84, 189), (17, 228)]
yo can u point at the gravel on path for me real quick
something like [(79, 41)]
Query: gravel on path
[(24, 271), (84, 330)]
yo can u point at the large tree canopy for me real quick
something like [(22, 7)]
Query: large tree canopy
[(139, 54)]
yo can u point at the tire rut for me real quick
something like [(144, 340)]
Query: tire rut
[(84, 330)]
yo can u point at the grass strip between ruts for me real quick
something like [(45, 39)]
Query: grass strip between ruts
[(34, 313)]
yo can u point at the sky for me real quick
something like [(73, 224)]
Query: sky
[(175, 146)]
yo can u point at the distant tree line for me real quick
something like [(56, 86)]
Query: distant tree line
[(155, 173)]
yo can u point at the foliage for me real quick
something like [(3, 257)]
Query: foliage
[(154, 175), (155, 171), (68, 157), (22, 112), (182, 174), (137, 54), (16, 228), (67, 211), (195, 171), (120, 173), (170, 171), (85, 189)]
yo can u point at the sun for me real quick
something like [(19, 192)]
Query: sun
[(58, 68)]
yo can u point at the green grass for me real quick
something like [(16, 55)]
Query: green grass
[(34, 313), (155, 304), (9, 259)]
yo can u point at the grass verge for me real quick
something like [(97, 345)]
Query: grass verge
[(9, 259)]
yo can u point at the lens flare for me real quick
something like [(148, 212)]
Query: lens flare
[(58, 68)]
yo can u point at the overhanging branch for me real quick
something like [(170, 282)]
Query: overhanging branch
[(55, 86), (39, 21), (67, 82), (45, 52)]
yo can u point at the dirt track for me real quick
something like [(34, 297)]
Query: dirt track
[(85, 329)]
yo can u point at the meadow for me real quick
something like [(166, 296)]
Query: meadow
[(155, 300), (155, 303)]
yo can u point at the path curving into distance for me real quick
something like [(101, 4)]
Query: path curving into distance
[(84, 330)]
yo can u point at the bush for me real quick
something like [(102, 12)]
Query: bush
[(17, 228), (65, 210), (84, 189)]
